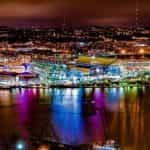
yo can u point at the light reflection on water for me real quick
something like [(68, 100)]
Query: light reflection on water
[(70, 116)]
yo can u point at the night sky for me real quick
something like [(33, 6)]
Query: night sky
[(76, 12)]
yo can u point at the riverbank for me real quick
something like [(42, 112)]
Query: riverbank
[(77, 86)]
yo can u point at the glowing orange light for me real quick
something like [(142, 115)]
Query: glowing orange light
[(141, 51), (44, 147), (123, 51)]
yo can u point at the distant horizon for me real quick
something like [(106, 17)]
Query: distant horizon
[(44, 23), (73, 26)]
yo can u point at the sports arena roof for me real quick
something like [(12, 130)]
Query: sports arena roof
[(96, 60)]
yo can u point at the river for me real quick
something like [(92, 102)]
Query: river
[(77, 115)]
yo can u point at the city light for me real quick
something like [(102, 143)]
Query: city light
[(44, 147), (20, 145), (123, 51), (141, 51), (93, 57), (97, 70)]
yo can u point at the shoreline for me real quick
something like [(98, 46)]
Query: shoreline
[(76, 86)]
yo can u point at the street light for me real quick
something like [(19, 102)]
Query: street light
[(141, 51), (123, 51)]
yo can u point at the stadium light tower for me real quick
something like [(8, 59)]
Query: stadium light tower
[(64, 23), (137, 11)]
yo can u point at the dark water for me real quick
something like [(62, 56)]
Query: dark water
[(77, 116)]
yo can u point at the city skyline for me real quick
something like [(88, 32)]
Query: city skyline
[(77, 13), (74, 75)]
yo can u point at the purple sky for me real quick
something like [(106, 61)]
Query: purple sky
[(77, 12)]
